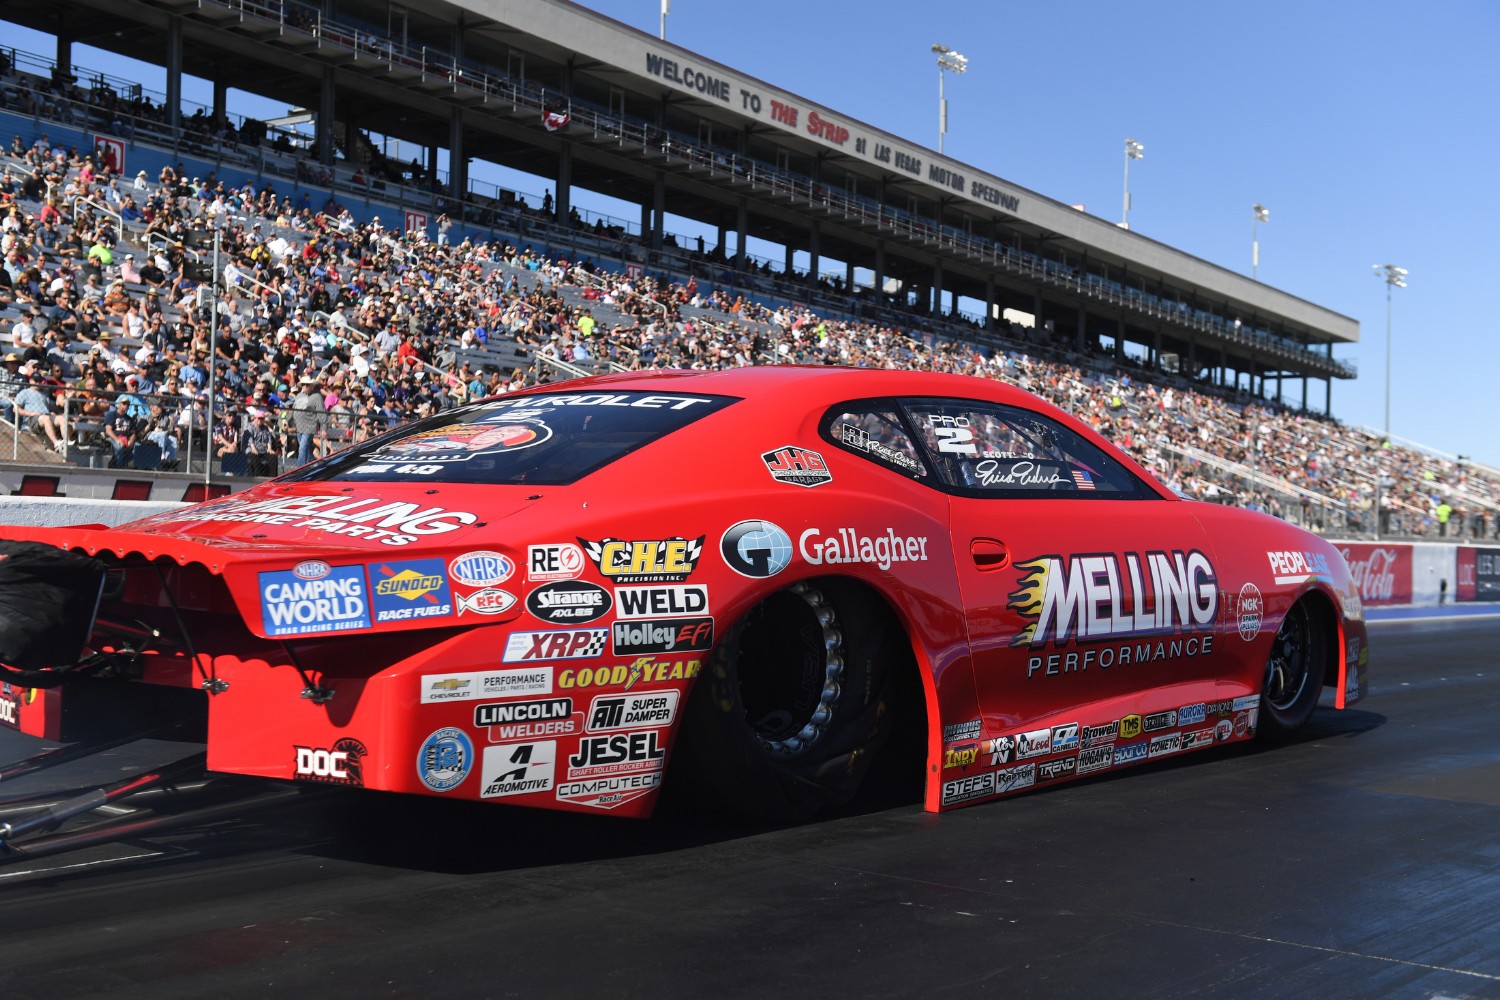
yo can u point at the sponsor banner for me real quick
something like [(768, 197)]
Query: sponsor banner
[(559, 644), (644, 670), (1011, 779), (369, 518), (314, 598), (667, 635), (609, 792), (1165, 744), (1289, 567), (558, 561), (666, 560), (1056, 770), (650, 710), (518, 769), (481, 569), (509, 721), (568, 602), (757, 549), (1037, 743), (847, 545), (488, 601), (445, 759), (486, 684), (967, 789), (1096, 759), (674, 601), (1381, 572), (407, 590), (797, 466), (961, 756), (342, 765), (1478, 574)]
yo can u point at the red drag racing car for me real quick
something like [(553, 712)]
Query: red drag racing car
[(771, 576)]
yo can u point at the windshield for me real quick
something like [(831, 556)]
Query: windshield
[(547, 439)]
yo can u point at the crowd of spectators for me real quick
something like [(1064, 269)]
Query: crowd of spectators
[(322, 331)]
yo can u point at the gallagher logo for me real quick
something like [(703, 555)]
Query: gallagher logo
[(798, 466), (481, 569), (1097, 597), (667, 560)]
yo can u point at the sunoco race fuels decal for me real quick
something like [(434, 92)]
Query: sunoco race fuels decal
[(314, 598), (407, 590)]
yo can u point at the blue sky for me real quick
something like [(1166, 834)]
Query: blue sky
[(1369, 130)]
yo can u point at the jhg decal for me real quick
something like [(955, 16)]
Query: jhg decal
[(1095, 597)]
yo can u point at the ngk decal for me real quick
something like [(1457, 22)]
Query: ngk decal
[(562, 644), (558, 561)]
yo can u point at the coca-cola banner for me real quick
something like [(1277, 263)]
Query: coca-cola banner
[(1478, 574), (1382, 572)]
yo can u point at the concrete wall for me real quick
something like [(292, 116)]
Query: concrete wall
[(58, 511)]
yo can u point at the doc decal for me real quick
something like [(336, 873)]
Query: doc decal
[(314, 598), (667, 560), (445, 759), (1094, 598), (409, 590)]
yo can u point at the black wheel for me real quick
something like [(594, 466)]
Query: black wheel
[(790, 710), (1294, 672)]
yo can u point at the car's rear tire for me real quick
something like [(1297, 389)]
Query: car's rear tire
[(792, 706), (1294, 671)]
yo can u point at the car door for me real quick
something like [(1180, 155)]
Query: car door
[(1082, 586)]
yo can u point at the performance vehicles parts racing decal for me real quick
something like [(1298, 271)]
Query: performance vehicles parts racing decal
[(486, 684), (314, 598)]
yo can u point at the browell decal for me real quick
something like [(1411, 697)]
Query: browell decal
[(1095, 598), (666, 560)]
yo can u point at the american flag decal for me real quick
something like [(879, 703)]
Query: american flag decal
[(1083, 479)]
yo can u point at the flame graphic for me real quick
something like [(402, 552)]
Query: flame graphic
[(1026, 599)]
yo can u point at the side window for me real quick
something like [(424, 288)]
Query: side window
[(875, 431), (988, 450)]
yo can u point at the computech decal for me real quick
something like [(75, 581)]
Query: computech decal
[(445, 759), (666, 560), (1096, 598), (797, 466), (609, 792), (409, 590), (313, 598), (370, 518), (674, 601)]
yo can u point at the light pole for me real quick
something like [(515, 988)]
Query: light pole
[(947, 60), (1394, 277), (1262, 214), (1133, 151), (666, 8)]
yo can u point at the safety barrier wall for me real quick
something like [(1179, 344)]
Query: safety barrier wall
[(58, 511)]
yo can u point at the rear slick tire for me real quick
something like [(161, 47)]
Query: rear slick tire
[(791, 709), (1294, 672)]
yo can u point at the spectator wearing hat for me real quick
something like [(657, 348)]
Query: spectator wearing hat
[(123, 431), (259, 445), (309, 417), (161, 430), (11, 383)]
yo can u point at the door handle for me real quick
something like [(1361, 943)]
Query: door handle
[(989, 554)]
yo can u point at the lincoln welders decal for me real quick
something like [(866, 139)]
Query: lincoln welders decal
[(1094, 598), (314, 598), (414, 589)]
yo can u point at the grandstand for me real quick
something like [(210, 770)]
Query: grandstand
[(151, 253)]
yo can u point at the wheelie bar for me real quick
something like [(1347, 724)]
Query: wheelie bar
[(55, 815)]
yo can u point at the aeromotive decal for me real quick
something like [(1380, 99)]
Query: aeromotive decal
[(1091, 598), (372, 518)]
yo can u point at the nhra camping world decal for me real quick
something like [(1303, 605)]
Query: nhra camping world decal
[(757, 549), (460, 442), (445, 759), (1094, 598), (481, 569), (343, 765), (798, 466), (370, 518), (407, 590), (313, 598), (669, 560), (569, 602)]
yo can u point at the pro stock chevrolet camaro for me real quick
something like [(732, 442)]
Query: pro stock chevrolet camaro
[(769, 578)]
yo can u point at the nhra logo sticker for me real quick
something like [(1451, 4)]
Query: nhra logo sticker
[(569, 601), (407, 590), (343, 765), (313, 598), (669, 560), (445, 759), (798, 466), (570, 644), (757, 549), (481, 569), (518, 769)]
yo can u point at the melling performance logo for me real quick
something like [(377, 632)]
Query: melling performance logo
[(1094, 598), (668, 560)]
